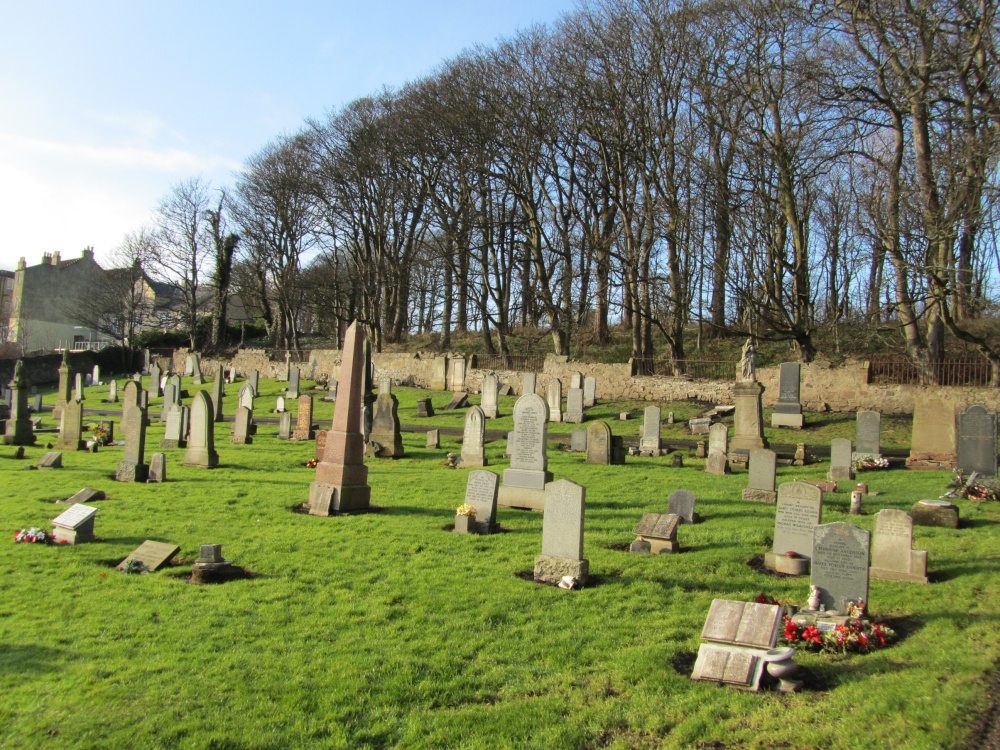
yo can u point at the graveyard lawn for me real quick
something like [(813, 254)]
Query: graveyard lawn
[(387, 629)]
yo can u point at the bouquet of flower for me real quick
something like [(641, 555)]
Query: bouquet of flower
[(466, 510), (101, 435), (972, 487), (311, 463), (33, 536), (868, 462), (857, 635)]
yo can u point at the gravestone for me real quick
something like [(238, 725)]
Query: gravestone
[(75, 525), (241, 427), (130, 395), (598, 443), (36, 403), (304, 419), (649, 442), (78, 390), (798, 512), (456, 373), (578, 441), (574, 406), (95, 378), (868, 432), (331, 393), (385, 423), (157, 468), (562, 533), (840, 459), (285, 425), (179, 392), (320, 444), (246, 396), (86, 495), (840, 565), (132, 467), (473, 439), (434, 439), (741, 639), (555, 400), (64, 392), (152, 555), (218, 391), (489, 393), (51, 460), (933, 445), (529, 383), (524, 482), (154, 380), (71, 427), (481, 493), (424, 407), (459, 401), (294, 375), (341, 482), (254, 380), (279, 405), (700, 425), (439, 378), (576, 380), (935, 513), (196, 370), (589, 392), (189, 364), (788, 410), (506, 390), (760, 485), (18, 429), (681, 503), (169, 399), (175, 435), (893, 556), (656, 534), (718, 450), (977, 441), (748, 419), (113, 392), (201, 441)]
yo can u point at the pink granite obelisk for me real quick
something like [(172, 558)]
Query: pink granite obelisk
[(342, 477)]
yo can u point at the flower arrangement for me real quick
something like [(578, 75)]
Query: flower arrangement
[(465, 510), (134, 567), (33, 536), (972, 487), (858, 635), (868, 462), (311, 463), (101, 434)]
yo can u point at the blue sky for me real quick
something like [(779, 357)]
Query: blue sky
[(105, 105)]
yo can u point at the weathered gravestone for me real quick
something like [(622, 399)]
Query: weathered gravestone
[(285, 425), (741, 639), (598, 443), (933, 445), (935, 513), (562, 533), (656, 533), (578, 441), (304, 419), (439, 378), (201, 441), (473, 439), (529, 383), (574, 406), (36, 403), (681, 503), (71, 427), (157, 468), (51, 460), (196, 370), (524, 482), (840, 459), (331, 392), (589, 392), (19, 430), (434, 439), (86, 495), (760, 486), (424, 407), (64, 392), (254, 380), (840, 565), (481, 493), (798, 513), (294, 375), (75, 525), (576, 380), (700, 426), (649, 442), (748, 420), (977, 441), (506, 390), (218, 391), (154, 380), (78, 387), (95, 378), (175, 435), (179, 392), (113, 392), (893, 556), (868, 432), (341, 482), (152, 555), (555, 400), (241, 427), (788, 410), (456, 373), (385, 423), (279, 405), (246, 397), (489, 392), (169, 399), (132, 467), (718, 450), (459, 401)]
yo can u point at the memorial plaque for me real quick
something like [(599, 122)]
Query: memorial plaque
[(481, 493), (75, 517), (729, 665), (658, 526), (868, 432), (840, 564), (681, 503), (799, 511), (152, 555), (562, 527), (743, 623), (977, 441)]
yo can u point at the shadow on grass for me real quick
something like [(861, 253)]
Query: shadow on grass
[(29, 658), (303, 509)]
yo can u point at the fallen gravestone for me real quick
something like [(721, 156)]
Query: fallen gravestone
[(459, 401), (86, 495), (935, 513), (151, 555)]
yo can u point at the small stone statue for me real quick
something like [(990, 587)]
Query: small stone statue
[(748, 367), (814, 598)]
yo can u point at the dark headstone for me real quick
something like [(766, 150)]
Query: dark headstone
[(840, 565), (977, 441)]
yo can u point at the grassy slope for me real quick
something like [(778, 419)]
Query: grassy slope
[(386, 630)]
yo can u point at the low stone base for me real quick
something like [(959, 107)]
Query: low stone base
[(241, 440), (931, 461), (640, 547), (935, 513), (792, 421), (173, 443), (573, 418), (790, 566), (838, 473), (130, 472), (472, 462), (663, 546), (303, 435), (521, 497), (71, 445), (552, 569), (760, 496), (884, 574), (466, 525), (201, 457), (72, 536), (326, 499)]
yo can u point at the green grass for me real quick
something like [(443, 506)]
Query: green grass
[(386, 630)]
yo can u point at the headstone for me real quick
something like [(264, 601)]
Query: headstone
[(456, 373), (977, 441), (155, 387), (254, 380), (169, 399), (489, 392), (935, 513), (718, 450), (64, 392), (19, 429), (294, 374), (304, 419), (868, 432), (524, 482), (246, 396), (439, 379), (75, 525), (157, 468), (71, 427), (659, 532), (132, 467), (576, 380), (681, 503), (95, 378), (893, 556), (562, 532), (649, 442), (113, 392), (331, 393), (341, 482), (748, 419), (788, 410), (840, 459), (459, 401), (529, 384), (178, 390), (800, 455), (86, 495), (506, 390), (152, 555), (385, 424), (424, 407), (473, 439), (578, 441), (798, 512), (741, 639), (760, 485), (189, 364), (481, 493), (196, 370), (933, 445), (589, 392), (175, 436), (555, 400), (241, 427), (279, 406), (285, 425), (434, 439), (201, 441), (840, 565), (144, 404), (51, 460), (218, 391), (598, 443), (574, 406), (700, 425), (78, 391)]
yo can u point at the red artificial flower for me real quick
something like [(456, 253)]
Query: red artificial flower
[(791, 629), (812, 634)]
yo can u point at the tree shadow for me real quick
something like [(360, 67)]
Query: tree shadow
[(31, 658)]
